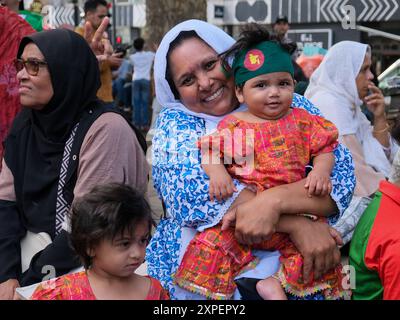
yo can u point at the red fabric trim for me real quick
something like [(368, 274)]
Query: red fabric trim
[(13, 29), (383, 250)]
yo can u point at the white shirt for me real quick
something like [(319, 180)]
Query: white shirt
[(142, 62)]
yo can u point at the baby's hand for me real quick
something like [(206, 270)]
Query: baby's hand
[(318, 183), (221, 186)]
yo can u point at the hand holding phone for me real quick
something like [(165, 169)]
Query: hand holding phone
[(122, 49), (375, 101)]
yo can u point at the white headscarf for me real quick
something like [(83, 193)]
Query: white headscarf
[(395, 172), (334, 91), (215, 37), (333, 85)]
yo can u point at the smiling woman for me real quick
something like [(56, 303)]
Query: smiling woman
[(283, 142), (196, 92), (198, 78)]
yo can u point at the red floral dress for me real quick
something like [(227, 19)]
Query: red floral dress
[(282, 149), (76, 286)]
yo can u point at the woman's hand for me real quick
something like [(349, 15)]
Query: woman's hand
[(7, 289), (318, 244), (229, 220), (375, 102), (115, 60), (254, 220)]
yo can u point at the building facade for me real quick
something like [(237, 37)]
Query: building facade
[(321, 22)]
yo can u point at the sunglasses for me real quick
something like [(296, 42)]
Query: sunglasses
[(31, 65)]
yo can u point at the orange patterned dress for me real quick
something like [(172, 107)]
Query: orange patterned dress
[(282, 149), (76, 286)]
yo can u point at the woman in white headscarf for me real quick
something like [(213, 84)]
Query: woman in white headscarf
[(195, 94), (339, 86)]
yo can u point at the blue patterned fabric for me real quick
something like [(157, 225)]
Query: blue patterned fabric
[(183, 186)]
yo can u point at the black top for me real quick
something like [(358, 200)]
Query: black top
[(35, 145), (34, 151)]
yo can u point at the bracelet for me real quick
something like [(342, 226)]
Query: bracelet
[(382, 130)]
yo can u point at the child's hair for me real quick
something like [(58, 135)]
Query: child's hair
[(103, 213), (252, 34)]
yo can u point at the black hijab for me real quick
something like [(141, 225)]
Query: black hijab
[(35, 145)]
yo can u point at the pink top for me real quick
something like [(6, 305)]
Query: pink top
[(282, 148), (110, 152), (76, 286)]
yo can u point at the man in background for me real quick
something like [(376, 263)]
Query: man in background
[(122, 84), (142, 62), (95, 12), (281, 27)]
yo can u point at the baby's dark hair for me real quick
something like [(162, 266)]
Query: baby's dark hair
[(104, 213), (182, 36), (252, 34)]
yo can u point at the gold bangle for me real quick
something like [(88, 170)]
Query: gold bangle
[(382, 130)]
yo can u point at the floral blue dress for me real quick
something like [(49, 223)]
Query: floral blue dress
[(182, 185)]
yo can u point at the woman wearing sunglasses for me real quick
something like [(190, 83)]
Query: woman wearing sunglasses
[(62, 143)]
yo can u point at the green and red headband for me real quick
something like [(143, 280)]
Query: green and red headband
[(263, 58)]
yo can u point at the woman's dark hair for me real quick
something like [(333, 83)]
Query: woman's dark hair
[(182, 36), (104, 213), (251, 35)]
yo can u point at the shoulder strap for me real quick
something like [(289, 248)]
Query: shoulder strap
[(62, 206)]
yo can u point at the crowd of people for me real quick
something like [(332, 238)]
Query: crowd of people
[(260, 186)]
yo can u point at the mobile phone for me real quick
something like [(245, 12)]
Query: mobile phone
[(122, 48)]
